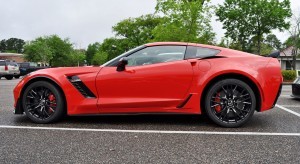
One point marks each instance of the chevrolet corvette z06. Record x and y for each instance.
(166, 77)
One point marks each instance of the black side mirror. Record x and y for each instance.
(122, 63)
(274, 54)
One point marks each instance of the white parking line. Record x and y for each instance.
(151, 131)
(291, 106)
(288, 110)
(285, 96)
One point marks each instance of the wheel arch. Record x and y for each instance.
(238, 76)
(41, 78)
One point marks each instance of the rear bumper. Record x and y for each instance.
(278, 94)
(10, 73)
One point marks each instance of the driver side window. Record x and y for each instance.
(156, 54)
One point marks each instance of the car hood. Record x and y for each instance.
(66, 71)
(59, 74)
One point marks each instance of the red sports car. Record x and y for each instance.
(180, 78)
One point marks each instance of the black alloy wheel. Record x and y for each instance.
(230, 103)
(43, 102)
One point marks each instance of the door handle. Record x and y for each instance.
(193, 62)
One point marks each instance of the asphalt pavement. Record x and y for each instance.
(269, 137)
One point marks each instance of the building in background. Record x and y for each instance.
(19, 58)
(286, 59)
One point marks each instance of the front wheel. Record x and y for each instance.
(43, 102)
(17, 77)
(230, 103)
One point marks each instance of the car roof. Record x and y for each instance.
(182, 44)
(166, 43)
(225, 51)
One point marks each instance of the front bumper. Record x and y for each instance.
(18, 108)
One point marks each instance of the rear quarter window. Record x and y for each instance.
(200, 52)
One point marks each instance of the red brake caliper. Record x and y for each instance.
(218, 100)
(51, 98)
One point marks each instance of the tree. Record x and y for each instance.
(272, 41)
(115, 46)
(137, 30)
(268, 45)
(3, 45)
(76, 58)
(99, 58)
(61, 49)
(291, 42)
(91, 51)
(49, 49)
(13, 45)
(244, 19)
(184, 20)
(38, 51)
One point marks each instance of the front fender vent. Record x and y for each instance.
(81, 87)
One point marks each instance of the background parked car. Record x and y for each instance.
(9, 69)
(28, 67)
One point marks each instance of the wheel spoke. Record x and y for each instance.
(51, 109)
(224, 89)
(215, 105)
(234, 88)
(33, 109)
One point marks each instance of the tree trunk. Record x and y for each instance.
(259, 45)
(294, 62)
(294, 58)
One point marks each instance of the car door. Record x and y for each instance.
(156, 78)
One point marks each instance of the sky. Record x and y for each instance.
(83, 21)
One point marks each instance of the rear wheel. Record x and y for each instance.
(43, 102)
(9, 77)
(230, 103)
(17, 77)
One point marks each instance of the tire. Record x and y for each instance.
(230, 103)
(43, 102)
(17, 77)
(9, 77)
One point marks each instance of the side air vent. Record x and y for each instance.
(81, 87)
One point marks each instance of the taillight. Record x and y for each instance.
(6, 68)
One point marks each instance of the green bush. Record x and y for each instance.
(289, 75)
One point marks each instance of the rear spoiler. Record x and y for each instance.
(274, 54)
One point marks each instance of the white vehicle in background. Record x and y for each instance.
(9, 69)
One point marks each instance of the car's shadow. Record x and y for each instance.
(166, 122)
(128, 119)
(141, 119)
